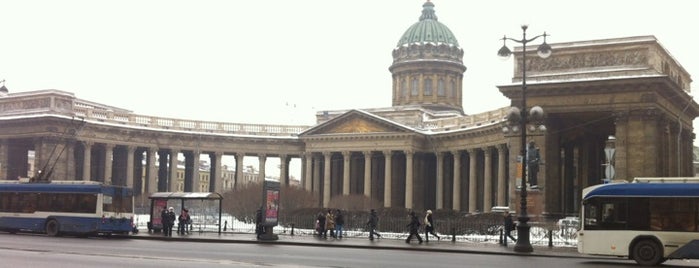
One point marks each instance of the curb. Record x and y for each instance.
(373, 246)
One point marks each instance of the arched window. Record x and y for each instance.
(428, 87)
(441, 90)
(452, 89)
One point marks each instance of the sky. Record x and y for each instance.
(281, 61)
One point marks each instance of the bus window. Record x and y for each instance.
(609, 215)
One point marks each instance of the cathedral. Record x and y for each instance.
(613, 109)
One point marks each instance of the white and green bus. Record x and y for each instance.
(648, 222)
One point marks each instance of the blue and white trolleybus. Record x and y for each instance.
(648, 222)
(80, 208)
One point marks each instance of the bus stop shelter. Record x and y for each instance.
(160, 200)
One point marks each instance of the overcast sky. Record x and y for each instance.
(280, 61)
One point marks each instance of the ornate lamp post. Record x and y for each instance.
(520, 116)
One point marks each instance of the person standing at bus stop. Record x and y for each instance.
(168, 220)
(182, 222)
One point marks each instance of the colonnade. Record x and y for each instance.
(412, 179)
(471, 179)
(146, 169)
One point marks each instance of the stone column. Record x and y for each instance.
(367, 174)
(283, 170)
(456, 191)
(172, 178)
(87, 158)
(238, 169)
(621, 122)
(130, 150)
(152, 173)
(308, 176)
(387, 179)
(216, 172)
(439, 194)
(4, 160)
(487, 181)
(70, 164)
(262, 165)
(409, 179)
(502, 186)
(196, 179)
(326, 179)
(317, 178)
(346, 172)
(108, 158)
(472, 182)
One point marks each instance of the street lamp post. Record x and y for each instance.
(520, 116)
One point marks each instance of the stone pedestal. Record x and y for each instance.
(535, 204)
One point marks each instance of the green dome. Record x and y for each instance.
(428, 29)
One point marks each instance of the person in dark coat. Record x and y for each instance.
(429, 226)
(372, 224)
(414, 227)
(339, 223)
(509, 226)
(163, 220)
(259, 228)
(320, 224)
(168, 219)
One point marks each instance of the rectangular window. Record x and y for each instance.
(414, 87)
(441, 91)
(428, 87)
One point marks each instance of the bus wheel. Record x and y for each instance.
(647, 253)
(52, 227)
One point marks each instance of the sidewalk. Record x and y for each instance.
(445, 245)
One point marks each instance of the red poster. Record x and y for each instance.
(272, 208)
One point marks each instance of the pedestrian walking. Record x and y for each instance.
(372, 224)
(339, 223)
(320, 224)
(509, 226)
(414, 228)
(429, 226)
(259, 228)
(329, 224)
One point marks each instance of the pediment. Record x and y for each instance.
(357, 122)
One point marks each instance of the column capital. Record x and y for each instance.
(471, 150)
(501, 147)
(387, 152)
(327, 154)
(346, 153)
(367, 153)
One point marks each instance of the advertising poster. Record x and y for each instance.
(271, 202)
(158, 206)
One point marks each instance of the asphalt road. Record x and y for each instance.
(23, 250)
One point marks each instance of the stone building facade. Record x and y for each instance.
(626, 94)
